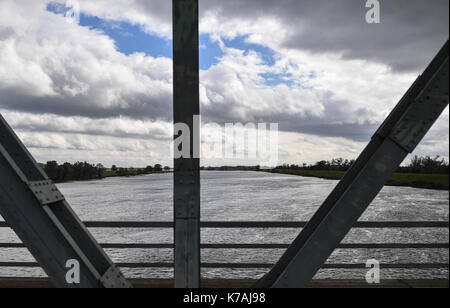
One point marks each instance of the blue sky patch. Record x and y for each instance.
(272, 79)
(267, 54)
(210, 52)
(131, 38)
(128, 38)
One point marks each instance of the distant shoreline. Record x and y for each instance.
(113, 175)
(424, 181)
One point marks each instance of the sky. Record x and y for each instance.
(101, 90)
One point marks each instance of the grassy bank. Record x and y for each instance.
(112, 174)
(427, 181)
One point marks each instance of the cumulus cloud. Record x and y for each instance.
(51, 66)
(326, 95)
(115, 127)
(125, 152)
(410, 30)
(319, 26)
(67, 88)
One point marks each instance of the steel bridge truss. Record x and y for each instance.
(36, 210)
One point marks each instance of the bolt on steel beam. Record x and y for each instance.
(398, 136)
(186, 169)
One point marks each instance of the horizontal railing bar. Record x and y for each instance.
(341, 246)
(259, 246)
(395, 246)
(251, 224)
(258, 224)
(252, 265)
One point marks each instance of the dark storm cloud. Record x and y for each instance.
(410, 32)
(138, 106)
(359, 132)
(334, 122)
(353, 131)
(155, 133)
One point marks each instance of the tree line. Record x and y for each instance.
(419, 165)
(427, 164)
(232, 168)
(82, 171)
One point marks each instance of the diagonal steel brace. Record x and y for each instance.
(398, 136)
(35, 209)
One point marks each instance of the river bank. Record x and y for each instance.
(112, 174)
(425, 181)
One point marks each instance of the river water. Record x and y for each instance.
(248, 196)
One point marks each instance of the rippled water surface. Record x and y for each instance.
(248, 196)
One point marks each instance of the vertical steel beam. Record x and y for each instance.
(186, 169)
(397, 137)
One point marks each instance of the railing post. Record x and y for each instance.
(186, 169)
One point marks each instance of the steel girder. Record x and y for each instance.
(35, 209)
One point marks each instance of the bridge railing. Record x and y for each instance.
(257, 225)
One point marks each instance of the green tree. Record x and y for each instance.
(51, 168)
(100, 169)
